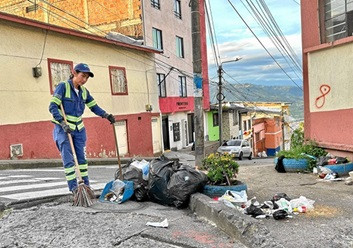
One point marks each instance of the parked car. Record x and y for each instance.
(237, 148)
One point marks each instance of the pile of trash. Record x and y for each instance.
(163, 181)
(279, 207)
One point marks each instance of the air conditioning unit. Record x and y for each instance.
(16, 150)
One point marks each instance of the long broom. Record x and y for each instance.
(84, 195)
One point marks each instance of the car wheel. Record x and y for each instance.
(241, 156)
(250, 157)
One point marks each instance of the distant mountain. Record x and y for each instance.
(261, 93)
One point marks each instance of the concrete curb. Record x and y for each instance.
(249, 231)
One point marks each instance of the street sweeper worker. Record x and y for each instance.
(74, 96)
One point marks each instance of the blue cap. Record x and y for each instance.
(81, 67)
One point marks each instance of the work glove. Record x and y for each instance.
(109, 117)
(66, 127)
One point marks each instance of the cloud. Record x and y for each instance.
(235, 40)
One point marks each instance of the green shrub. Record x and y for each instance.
(297, 138)
(309, 148)
(221, 168)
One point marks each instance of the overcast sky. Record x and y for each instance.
(235, 40)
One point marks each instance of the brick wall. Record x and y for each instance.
(93, 16)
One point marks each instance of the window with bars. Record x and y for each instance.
(180, 47)
(182, 86)
(118, 81)
(157, 38)
(337, 19)
(155, 4)
(161, 85)
(177, 8)
(59, 71)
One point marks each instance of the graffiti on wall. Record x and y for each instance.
(320, 100)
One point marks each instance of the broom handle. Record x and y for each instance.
(72, 147)
(117, 152)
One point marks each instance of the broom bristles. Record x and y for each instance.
(84, 196)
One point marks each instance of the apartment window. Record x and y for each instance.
(118, 81)
(182, 86)
(180, 47)
(59, 70)
(161, 85)
(249, 124)
(244, 125)
(215, 119)
(157, 38)
(337, 18)
(155, 4)
(235, 118)
(177, 9)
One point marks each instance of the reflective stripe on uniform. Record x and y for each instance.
(70, 173)
(67, 90)
(56, 100)
(83, 166)
(71, 117)
(80, 126)
(91, 103)
(84, 93)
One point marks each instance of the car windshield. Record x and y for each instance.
(232, 143)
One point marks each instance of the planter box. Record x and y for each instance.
(214, 190)
(294, 165)
(341, 169)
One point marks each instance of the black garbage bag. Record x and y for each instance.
(161, 169)
(131, 173)
(279, 165)
(253, 211)
(184, 182)
(341, 160)
(280, 214)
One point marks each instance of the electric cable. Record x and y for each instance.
(262, 44)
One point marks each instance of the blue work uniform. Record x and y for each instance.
(74, 106)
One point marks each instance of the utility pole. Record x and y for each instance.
(197, 69)
(220, 96)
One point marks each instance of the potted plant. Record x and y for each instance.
(222, 171)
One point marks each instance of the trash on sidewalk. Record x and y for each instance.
(144, 166)
(231, 198)
(279, 207)
(163, 224)
(117, 191)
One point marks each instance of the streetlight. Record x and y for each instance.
(220, 96)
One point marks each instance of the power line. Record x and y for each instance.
(264, 22)
(263, 45)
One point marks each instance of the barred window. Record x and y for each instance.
(155, 4)
(337, 17)
(118, 81)
(59, 71)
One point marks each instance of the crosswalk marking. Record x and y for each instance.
(46, 193)
(19, 181)
(32, 186)
(19, 176)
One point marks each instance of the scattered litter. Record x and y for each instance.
(279, 207)
(117, 191)
(163, 224)
(231, 198)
